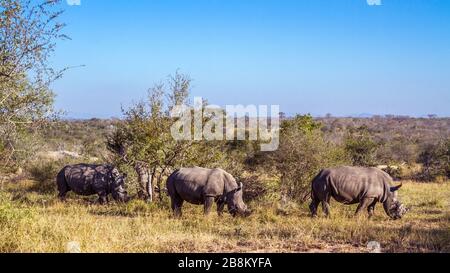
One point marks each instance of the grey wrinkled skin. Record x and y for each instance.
(86, 180)
(356, 185)
(200, 186)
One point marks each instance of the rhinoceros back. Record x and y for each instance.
(197, 175)
(85, 179)
(194, 184)
(350, 185)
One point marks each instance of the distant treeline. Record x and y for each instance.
(392, 140)
(408, 148)
(399, 139)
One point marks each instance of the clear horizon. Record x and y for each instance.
(345, 57)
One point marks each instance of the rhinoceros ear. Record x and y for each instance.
(394, 189)
(241, 186)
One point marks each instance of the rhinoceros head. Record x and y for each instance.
(118, 188)
(235, 202)
(393, 207)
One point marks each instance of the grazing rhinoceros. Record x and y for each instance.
(353, 185)
(85, 179)
(205, 186)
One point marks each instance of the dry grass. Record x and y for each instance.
(32, 220)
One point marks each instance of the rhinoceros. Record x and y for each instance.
(353, 185)
(200, 186)
(86, 180)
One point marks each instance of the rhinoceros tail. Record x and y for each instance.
(61, 182)
(170, 184)
(316, 178)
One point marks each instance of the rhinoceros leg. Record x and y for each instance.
(364, 204)
(314, 206)
(209, 201)
(62, 193)
(177, 204)
(371, 209)
(220, 207)
(103, 198)
(62, 196)
(63, 188)
(326, 207)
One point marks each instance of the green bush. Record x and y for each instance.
(254, 188)
(12, 219)
(303, 152)
(45, 172)
(436, 160)
(361, 147)
(11, 215)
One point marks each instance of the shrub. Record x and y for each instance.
(360, 147)
(144, 141)
(29, 31)
(12, 219)
(10, 215)
(45, 172)
(254, 188)
(436, 160)
(303, 152)
(395, 172)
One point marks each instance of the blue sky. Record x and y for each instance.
(309, 56)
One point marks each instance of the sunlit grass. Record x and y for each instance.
(37, 222)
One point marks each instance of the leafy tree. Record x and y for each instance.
(28, 31)
(144, 141)
(436, 160)
(397, 151)
(361, 147)
(302, 153)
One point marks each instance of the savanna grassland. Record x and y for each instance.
(32, 219)
(37, 141)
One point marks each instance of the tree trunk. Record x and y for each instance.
(145, 182)
(153, 177)
(159, 184)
